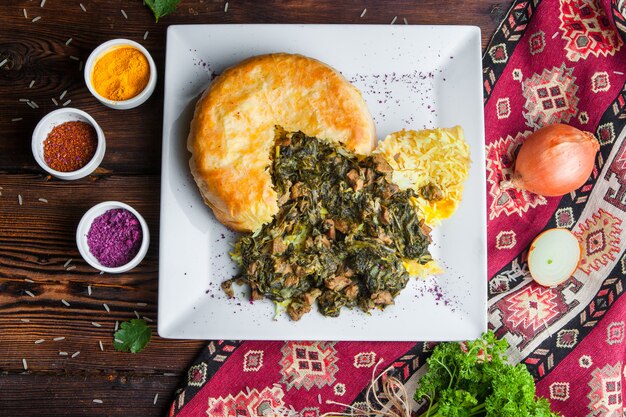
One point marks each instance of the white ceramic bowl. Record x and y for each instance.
(55, 118)
(85, 224)
(124, 104)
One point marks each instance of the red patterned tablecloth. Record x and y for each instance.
(550, 61)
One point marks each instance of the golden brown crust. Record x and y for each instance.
(232, 131)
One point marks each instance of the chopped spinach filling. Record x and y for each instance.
(341, 233)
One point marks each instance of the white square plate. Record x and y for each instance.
(411, 77)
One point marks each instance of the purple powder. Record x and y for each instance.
(114, 237)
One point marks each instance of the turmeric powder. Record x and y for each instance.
(121, 73)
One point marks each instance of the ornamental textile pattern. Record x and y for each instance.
(550, 61)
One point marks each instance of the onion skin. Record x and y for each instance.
(554, 160)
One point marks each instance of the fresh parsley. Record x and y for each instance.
(132, 336)
(474, 379)
(161, 7)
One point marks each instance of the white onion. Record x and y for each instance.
(553, 257)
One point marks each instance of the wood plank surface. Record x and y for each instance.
(74, 395)
(37, 238)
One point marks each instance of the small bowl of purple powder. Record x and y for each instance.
(112, 237)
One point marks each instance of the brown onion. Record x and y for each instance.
(554, 161)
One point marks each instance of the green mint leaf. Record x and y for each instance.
(132, 336)
(161, 7)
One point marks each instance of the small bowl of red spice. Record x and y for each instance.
(68, 143)
(112, 237)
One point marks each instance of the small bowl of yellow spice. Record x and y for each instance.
(121, 74)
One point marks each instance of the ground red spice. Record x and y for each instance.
(70, 146)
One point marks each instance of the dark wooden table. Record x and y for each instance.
(37, 237)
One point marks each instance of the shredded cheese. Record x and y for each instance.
(437, 157)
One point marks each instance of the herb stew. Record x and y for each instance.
(341, 234)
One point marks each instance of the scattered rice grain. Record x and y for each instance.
(29, 293)
(148, 319)
(101, 272)
(67, 262)
(555, 35)
(62, 353)
(96, 400)
(142, 304)
(117, 325)
(319, 398)
(25, 364)
(156, 397)
(19, 199)
(17, 119)
(405, 21)
(106, 307)
(62, 94)
(226, 7)
(71, 268)
(35, 105)
(82, 7)
(67, 102)
(394, 20)
(80, 66)
(124, 14)
(96, 324)
(23, 100)
(75, 354)
(618, 72)
(31, 84)
(169, 373)
(30, 281)
(39, 341)
(101, 346)
(56, 103)
(36, 19)
(31, 105)
(363, 12)
(75, 58)
(43, 2)
(145, 35)
(67, 42)
(65, 303)
(136, 314)
(89, 289)
(43, 200)
(118, 341)
(25, 13)
(25, 320)
(57, 339)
